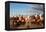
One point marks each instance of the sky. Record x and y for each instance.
(17, 9)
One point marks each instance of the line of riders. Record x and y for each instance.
(17, 21)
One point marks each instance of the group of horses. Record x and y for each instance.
(17, 21)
